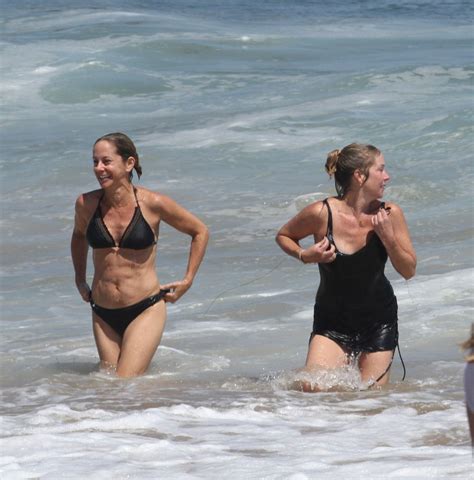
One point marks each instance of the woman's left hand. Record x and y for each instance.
(177, 290)
(383, 225)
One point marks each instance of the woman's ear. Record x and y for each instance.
(129, 164)
(360, 177)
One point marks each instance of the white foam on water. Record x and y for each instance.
(245, 439)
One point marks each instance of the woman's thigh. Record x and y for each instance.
(108, 342)
(140, 341)
(324, 352)
(375, 366)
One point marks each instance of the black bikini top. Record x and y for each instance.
(138, 235)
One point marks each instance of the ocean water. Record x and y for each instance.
(233, 106)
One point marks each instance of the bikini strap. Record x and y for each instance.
(136, 198)
(98, 209)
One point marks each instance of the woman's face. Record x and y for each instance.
(378, 178)
(108, 164)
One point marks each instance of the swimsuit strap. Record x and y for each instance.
(329, 229)
(136, 198)
(98, 203)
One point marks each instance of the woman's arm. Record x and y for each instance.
(393, 232)
(185, 222)
(307, 222)
(79, 249)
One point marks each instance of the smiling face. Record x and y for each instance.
(109, 167)
(377, 178)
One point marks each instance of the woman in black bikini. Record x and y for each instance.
(120, 222)
(356, 310)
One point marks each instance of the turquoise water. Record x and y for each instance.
(233, 107)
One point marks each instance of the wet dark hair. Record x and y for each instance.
(125, 148)
(343, 163)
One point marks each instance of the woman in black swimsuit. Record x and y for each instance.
(354, 233)
(120, 222)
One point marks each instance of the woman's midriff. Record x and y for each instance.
(123, 277)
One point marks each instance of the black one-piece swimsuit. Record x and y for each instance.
(355, 304)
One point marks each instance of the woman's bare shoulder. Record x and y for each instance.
(316, 209)
(396, 214)
(156, 202)
(151, 198)
(88, 199)
(86, 203)
(394, 208)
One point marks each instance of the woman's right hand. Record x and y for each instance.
(84, 291)
(176, 290)
(321, 252)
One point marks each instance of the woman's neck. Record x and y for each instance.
(359, 204)
(121, 196)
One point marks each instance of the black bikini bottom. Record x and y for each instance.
(379, 331)
(120, 318)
